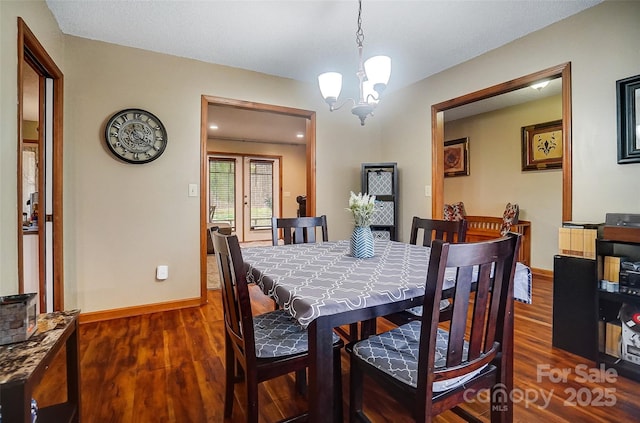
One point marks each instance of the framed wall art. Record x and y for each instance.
(456, 157)
(542, 146)
(628, 96)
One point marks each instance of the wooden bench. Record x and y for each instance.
(483, 228)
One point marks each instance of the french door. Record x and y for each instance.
(244, 191)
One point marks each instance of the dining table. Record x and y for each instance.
(323, 287)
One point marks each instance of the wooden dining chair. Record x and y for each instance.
(446, 230)
(262, 347)
(302, 230)
(298, 230)
(429, 369)
(451, 231)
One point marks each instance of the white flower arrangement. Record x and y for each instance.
(362, 206)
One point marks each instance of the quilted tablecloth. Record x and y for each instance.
(310, 280)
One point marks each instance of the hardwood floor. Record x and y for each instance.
(168, 367)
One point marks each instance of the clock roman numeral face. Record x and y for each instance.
(135, 136)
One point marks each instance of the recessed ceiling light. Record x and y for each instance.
(300, 135)
(540, 85)
(214, 126)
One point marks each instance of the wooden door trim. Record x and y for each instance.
(27, 42)
(207, 100)
(437, 132)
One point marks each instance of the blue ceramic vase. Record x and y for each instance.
(362, 242)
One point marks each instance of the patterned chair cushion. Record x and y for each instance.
(510, 217)
(417, 311)
(396, 354)
(454, 211)
(277, 334)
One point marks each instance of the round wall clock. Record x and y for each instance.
(135, 136)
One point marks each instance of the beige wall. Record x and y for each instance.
(130, 218)
(496, 178)
(292, 164)
(121, 220)
(601, 44)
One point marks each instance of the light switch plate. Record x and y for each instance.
(193, 190)
(427, 190)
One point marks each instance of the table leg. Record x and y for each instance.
(321, 389)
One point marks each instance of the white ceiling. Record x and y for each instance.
(300, 39)
(248, 125)
(523, 95)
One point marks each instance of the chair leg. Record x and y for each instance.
(231, 365)
(353, 332)
(355, 391)
(367, 328)
(239, 372)
(252, 400)
(501, 404)
(301, 382)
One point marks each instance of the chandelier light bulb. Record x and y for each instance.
(330, 85)
(373, 76)
(378, 69)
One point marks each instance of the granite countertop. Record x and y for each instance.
(18, 361)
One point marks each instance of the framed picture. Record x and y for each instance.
(542, 146)
(628, 95)
(456, 157)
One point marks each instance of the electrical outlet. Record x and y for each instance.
(162, 272)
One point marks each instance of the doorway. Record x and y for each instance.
(308, 141)
(39, 193)
(244, 193)
(437, 135)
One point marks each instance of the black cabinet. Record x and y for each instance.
(574, 305)
(618, 315)
(381, 180)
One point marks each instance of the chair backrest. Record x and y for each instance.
(490, 312)
(446, 230)
(236, 302)
(298, 230)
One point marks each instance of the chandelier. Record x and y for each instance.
(373, 76)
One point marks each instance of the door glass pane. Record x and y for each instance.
(261, 194)
(222, 190)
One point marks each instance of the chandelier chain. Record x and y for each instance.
(359, 32)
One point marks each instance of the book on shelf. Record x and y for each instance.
(579, 239)
(611, 270)
(589, 241)
(613, 337)
(582, 225)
